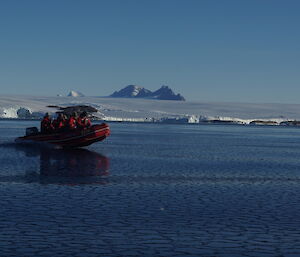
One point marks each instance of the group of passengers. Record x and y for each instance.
(64, 123)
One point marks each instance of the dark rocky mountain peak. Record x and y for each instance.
(166, 93)
(133, 91)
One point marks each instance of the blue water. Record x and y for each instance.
(153, 190)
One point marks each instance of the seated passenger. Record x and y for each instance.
(59, 123)
(72, 121)
(46, 124)
(83, 121)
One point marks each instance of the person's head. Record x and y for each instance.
(46, 115)
(83, 114)
(74, 114)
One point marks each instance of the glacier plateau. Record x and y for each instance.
(148, 110)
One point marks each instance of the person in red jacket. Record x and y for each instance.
(59, 123)
(72, 121)
(46, 124)
(83, 121)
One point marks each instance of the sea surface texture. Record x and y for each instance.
(153, 190)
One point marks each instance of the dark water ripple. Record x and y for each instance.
(154, 191)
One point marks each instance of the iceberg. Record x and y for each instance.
(8, 112)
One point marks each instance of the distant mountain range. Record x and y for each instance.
(133, 91)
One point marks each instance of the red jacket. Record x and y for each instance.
(83, 122)
(59, 123)
(46, 125)
(72, 123)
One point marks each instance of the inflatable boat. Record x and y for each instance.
(67, 139)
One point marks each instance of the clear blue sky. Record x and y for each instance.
(239, 51)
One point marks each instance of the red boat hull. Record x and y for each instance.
(75, 138)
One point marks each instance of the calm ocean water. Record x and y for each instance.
(153, 190)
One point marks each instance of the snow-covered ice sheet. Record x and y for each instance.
(139, 109)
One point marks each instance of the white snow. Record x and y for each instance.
(75, 94)
(136, 90)
(9, 112)
(150, 110)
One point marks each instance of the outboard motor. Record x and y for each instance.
(32, 131)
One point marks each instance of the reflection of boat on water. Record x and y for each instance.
(72, 163)
(63, 166)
